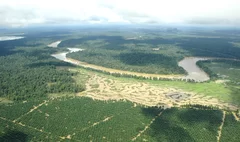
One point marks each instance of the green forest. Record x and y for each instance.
(31, 72)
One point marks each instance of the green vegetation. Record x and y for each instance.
(210, 47)
(70, 116)
(223, 69)
(230, 131)
(228, 72)
(38, 92)
(33, 73)
(83, 119)
(149, 52)
(18, 108)
(184, 125)
(118, 53)
(28, 70)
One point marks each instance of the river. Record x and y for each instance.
(194, 72)
(63, 56)
(4, 38)
(188, 64)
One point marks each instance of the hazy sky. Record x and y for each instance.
(14, 13)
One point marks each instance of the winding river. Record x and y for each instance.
(188, 63)
(63, 56)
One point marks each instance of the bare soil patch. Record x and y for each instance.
(102, 88)
(5, 101)
(236, 116)
(221, 126)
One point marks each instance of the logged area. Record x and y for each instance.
(140, 84)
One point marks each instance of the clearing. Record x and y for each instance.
(102, 87)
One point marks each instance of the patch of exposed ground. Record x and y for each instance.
(221, 126)
(5, 101)
(97, 123)
(236, 116)
(222, 82)
(102, 88)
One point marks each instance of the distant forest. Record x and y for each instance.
(159, 55)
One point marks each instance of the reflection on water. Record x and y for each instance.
(62, 56)
(55, 44)
(4, 38)
(194, 72)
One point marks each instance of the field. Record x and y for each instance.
(225, 69)
(227, 73)
(84, 119)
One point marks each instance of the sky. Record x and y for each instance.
(22, 13)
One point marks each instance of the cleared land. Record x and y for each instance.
(102, 87)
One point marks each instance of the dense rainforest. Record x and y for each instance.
(32, 72)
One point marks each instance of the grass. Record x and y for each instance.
(230, 71)
(227, 70)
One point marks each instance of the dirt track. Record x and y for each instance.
(221, 126)
(102, 88)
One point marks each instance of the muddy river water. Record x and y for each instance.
(194, 72)
(188, 63)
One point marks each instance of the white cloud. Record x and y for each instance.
(27, 12)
